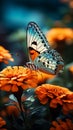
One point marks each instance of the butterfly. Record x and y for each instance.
(41, 55)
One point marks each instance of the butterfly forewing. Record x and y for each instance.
(35, 38)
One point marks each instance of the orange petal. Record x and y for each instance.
(67, 107)
(6, 88)
(14, 88)
(69, 123)
(55, 102)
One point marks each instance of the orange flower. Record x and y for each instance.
(58, 36)
(71, 69)
(2, 123)
(5, 55)
(62, 125)
(11, 78)
(55, 95)
(67, 107)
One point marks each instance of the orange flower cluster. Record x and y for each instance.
(5, 55)
(62, 125)
(55, 95)
(11, 78)
(59, 34)
(2, 123)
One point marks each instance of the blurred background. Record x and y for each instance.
(55, 18)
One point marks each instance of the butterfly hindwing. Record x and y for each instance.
(49, 61)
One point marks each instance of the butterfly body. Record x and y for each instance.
(40, 53)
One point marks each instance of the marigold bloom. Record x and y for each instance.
(2, 123)
(62, 125)
(71, 69)
(57, 36)
(5, 55)
(55, 95)
(11, 78)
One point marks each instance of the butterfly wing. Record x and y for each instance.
(49, 62)
(36, 41)
(40, 53)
